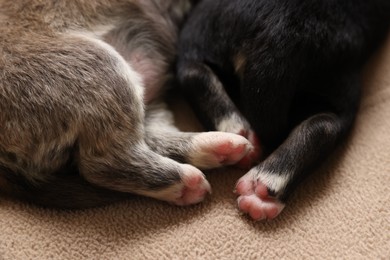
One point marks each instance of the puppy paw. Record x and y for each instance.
(235, 123)
(254, 155)
(255, 199)
(194, 188)
(191, 188)
(216, 149)
(259, 208)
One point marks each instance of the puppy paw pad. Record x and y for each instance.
(258, 208)
(256, 200)
(194, 189)
(230, 151)
(215, 149)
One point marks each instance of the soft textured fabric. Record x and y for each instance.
(341, 211)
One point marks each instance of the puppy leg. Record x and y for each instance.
(264, 189)
(88, 109)
(213, 106)
(112, 152)
(203, 150)
(265, 186)
(136, 169)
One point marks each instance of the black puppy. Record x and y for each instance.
(286, 71)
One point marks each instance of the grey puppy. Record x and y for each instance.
(80, 122)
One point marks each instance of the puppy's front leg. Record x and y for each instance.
(205, 150)
(264, 189)
(214, 107)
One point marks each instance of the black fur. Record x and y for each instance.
(290, 67)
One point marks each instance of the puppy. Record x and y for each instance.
(80, 120)
(284, 74)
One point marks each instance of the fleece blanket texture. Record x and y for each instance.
(342, 211)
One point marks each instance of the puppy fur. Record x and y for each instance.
(81, 122)
(285, 74)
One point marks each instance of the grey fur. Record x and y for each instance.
(75, 78)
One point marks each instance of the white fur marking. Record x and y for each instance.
(159, 117)
(274, 181)
(232, 123)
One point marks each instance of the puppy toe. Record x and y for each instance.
(216, 149)
(255, 198)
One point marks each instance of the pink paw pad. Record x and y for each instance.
(216, 149)
(195, 189)
(230, 152)
(254, 199)
(259, 208)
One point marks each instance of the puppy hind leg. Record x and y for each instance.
(203, 150)
(111, 151)
(213, 106)
(134, 168)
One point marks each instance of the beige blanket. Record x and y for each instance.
(342, 211)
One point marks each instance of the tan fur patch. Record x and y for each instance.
(239, 62)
